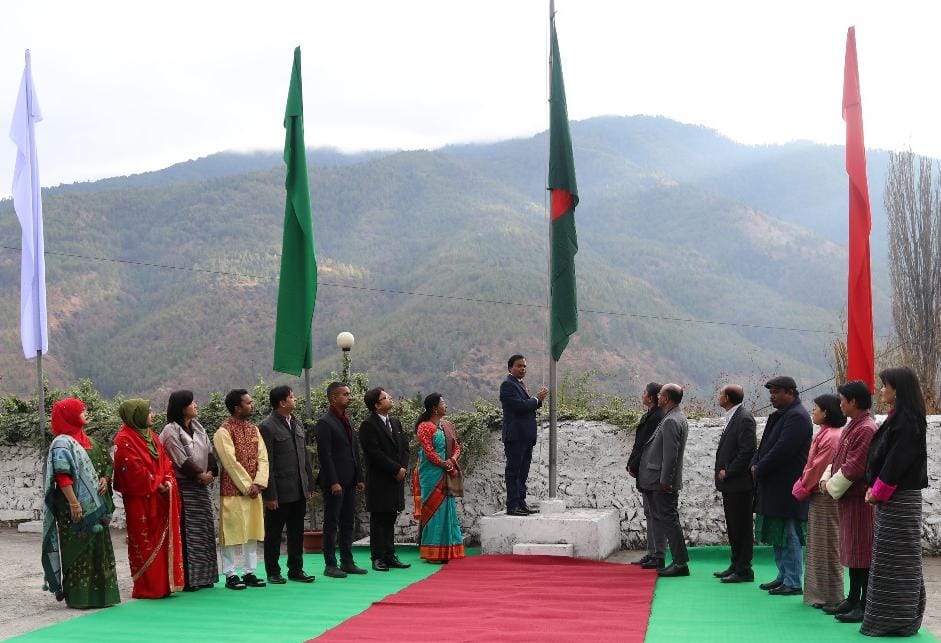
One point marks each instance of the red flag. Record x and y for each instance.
(859, 341)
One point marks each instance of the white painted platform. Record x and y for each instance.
(537, 549)
(30, 527)
(593, 533)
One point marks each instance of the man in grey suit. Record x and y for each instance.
(661, 473)
(290, 482)
(340, 477)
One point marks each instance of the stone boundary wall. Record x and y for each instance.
(592, 457)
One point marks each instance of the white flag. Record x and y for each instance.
(27, 202)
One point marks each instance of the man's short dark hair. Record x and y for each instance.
(653, 389)
(233, 398)
(674, 394)
(333, 386)
(371, 398)
(513, 359)
(857, 391)
(734, 394)
(277, 395)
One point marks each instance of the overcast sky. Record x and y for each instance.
(126, 86)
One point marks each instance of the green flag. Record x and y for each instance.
(297, 286)
(563, 320)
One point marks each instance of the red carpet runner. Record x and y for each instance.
(512, 598)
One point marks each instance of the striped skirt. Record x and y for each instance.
(823, 574)
(855, 532)
(199, 534)
(895, 599)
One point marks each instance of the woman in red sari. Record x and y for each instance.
(143, 474)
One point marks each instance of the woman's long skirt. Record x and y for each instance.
(199, 534)
(823, 574)
(895, 600)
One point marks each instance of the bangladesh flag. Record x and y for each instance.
(564, 197)
(297, 286)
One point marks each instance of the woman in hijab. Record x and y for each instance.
(440, 529)
(188, 446)
(143, 474)
(77, 555)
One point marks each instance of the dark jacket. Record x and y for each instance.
(519, 412)
(385, 453)
(645, 428)
(735, 451)
(898, 455)
(779, 461)
(338, 454)
(290, 476)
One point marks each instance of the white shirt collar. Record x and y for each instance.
(730, 413)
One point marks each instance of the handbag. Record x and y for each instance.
(454, 485)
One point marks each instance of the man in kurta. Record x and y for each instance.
(244, 475)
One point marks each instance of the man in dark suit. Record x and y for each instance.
(733, 479)
(661, 472)
(385, 448)
(778, 462)
(519, 433)
(649, 421)
(340, 477)
(290, 482)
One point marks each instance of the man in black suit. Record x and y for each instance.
(649, 421)
(733, 479)
(778, 462)
(519, 433)
(290, 482)
(386, 450)
(340, 477)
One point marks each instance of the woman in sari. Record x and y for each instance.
(188, 446)
(823, 580)
(143, 474)
(896, 473)
(77, 555)
(440, 537)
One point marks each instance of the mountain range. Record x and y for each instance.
(700, 260)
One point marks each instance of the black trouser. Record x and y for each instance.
(518, 457)
(382, 534)
(859, 579)
(338, 516)
(739, 525)
(290, 514)
(664, 513)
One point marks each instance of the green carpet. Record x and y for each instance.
(291, 612)
(699, 608)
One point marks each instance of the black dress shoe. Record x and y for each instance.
(191, 588)
(517, 511)
(234, 582)
(251, 580)
(771, 585)
(855, 615)
(738, 578)
(641, 561)
(277, 579)
(395, 563)
(724, 572)
(334, 572)
(839, 608)
(351, 568)
(380, 566)
(301, 577)
(653, 563)
(207, 586)
(784, 590)
(529, 509)
(673, 570)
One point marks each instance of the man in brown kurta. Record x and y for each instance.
(244, 475)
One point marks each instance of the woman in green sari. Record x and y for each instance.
(441, 538)
(77, 556)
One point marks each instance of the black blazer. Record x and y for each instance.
(385, 454)
(645, 428)
(338, 455)
(780, 460)
(735, 451)
(290, 476)
(898, 454)
(519, 412)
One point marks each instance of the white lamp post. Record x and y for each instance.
(345, 341)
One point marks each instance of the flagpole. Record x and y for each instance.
(553, 404)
